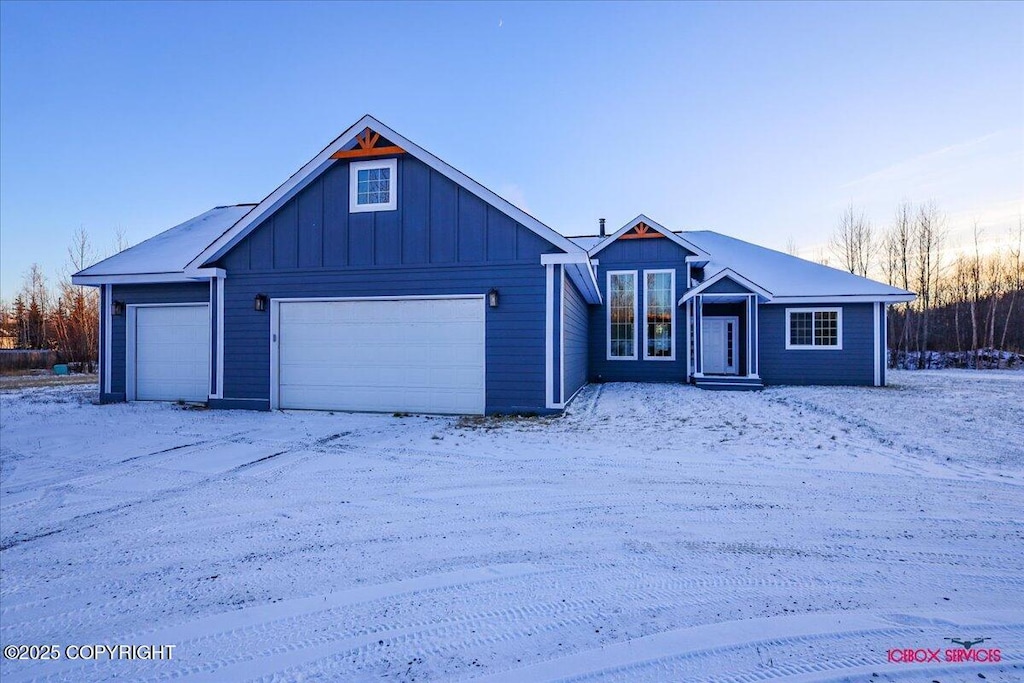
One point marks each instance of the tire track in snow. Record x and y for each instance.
(715, 640)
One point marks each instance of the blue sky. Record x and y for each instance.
(758, 120)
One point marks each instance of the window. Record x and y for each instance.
(372, 185)
(659, 307)
(814, 328)
(622, 314)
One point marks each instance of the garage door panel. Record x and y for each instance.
(419, 355)
(172, 353)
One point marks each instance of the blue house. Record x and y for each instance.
(380, 278)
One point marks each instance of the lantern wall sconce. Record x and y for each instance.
(260, 302)
(492, 298)
(118, 308)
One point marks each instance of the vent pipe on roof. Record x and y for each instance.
(600, 222)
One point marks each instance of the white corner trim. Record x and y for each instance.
(549, 331)
(220, 338)
(561, 339)
(353, 185)
(877, 330)
(672, 313)
(608, 314)
(274, 336)
(108, 345)
(811, 347)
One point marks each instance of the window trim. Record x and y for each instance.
(353, 185)
(672, 312)
(838, 346)
(608, 315)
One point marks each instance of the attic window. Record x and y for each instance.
(373, 185)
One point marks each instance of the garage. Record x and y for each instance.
(423, 355)
(169, 352)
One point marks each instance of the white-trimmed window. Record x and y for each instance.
(622, 315)
(814, 328)
(659, 314)
(373, 185)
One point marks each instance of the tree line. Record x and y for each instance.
(969, 310)
(61, 317)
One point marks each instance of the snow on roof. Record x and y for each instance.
(586, 242)
(782, 274)
(173, 249)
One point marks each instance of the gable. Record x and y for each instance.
(364, 134)
(435, 222)
(727, 285)
(643, 250)
(643, 228)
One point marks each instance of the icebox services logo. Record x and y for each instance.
(963, 654)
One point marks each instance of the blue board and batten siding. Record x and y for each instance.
(575, 339)
(639, 255)
(440, 240)
(171, 293)
(854, 364)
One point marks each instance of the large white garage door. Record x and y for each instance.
(410, 355)
(172, 353)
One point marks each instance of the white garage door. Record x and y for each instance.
(411, 355)
(172, 353)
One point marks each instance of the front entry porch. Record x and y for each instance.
(723, 340)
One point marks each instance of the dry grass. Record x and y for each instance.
(42, 378)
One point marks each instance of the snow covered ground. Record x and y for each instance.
(654, 533)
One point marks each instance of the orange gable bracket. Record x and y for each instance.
(640, 232)
(366, 140)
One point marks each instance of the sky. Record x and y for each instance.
(761, 121)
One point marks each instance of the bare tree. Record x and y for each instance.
(76, 321)
(852, 243)
(1015, 278)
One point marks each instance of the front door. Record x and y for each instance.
(719, 338)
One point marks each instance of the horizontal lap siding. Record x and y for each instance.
(854, 364)
(515, 330)
(577, 323)
(639, 255)
(172, 293)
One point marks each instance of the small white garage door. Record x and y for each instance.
(409, 355)
(172, 353)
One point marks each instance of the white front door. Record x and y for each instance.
(170, 358)
(423, 355)
(719, 341)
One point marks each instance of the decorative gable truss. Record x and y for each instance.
(368, 145)
(643, 227)
(641, 231)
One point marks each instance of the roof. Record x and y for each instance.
(784, 275)
(168, 253)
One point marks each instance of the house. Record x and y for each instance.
(380, 278)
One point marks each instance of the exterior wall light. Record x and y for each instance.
(260, 302)
(492, 298)
(118, 308)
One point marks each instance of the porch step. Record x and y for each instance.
(729, 383)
